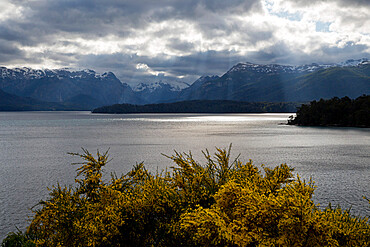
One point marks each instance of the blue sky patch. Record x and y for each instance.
(322, 27)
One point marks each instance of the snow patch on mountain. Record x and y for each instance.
(352, 62)
(172, 85)
(276, 68)
(28, 73)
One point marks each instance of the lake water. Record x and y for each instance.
(34, 146)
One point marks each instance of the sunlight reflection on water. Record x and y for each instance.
(213, 118)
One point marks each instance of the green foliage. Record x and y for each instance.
(335, 112)
(18, 239)
(223, 202)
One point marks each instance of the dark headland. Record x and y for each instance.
(341, 112)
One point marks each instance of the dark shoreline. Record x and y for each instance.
(202, 106)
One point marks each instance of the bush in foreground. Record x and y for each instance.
(220, 203)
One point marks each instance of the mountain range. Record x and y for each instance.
(249, 82)
(84, 88)
(279, 83)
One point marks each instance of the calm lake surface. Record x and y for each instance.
(34, 146)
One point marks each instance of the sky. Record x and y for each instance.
(149, 40)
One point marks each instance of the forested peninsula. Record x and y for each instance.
(344, 112)
(201, 106)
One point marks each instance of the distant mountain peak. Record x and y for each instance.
(260, 68)
(173, 85)
(354, 62)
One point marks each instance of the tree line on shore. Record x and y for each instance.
(343, 112)
(201, 106)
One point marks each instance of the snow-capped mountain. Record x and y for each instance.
(152, 86)
(84, 87)
(353, 62)
(160, 91)
(281, 83)
(28, 73)
(277, 68)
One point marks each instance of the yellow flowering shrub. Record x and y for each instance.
(223, 202)
(271, 210)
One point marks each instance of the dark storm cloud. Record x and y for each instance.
(10, 34)
(200, 63)
(270, 54)
(95, 18)
(281, 53)
(102, 17)
(355, 2)
(9, 52)
(180, 45)
(26, 33)
(350, 50)
(17, 32)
